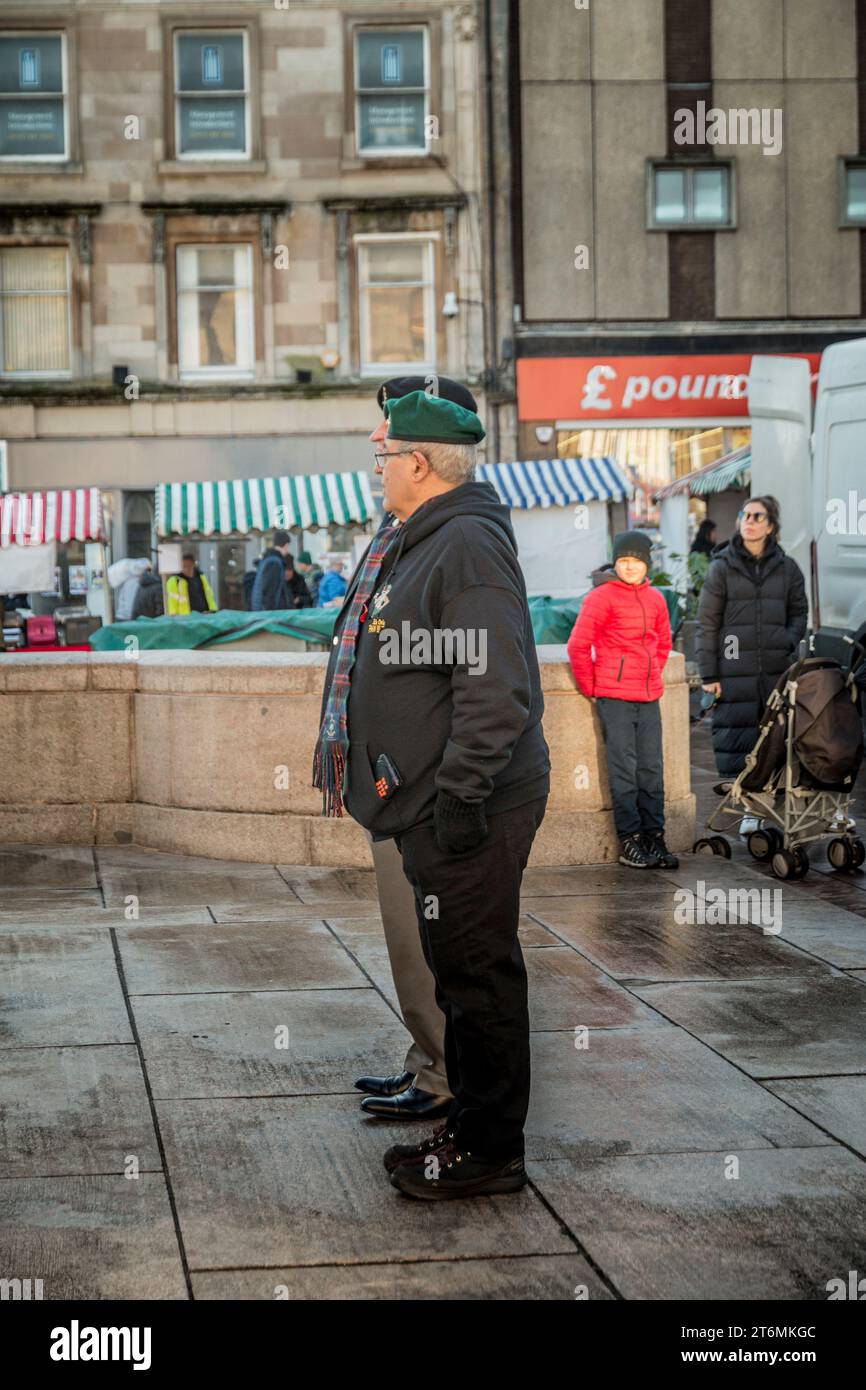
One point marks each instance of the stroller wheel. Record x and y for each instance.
(720, 846)
(841, 854)
(784, 864)
(761, 845)
(702, 847)
(802, 864)
(859, 852)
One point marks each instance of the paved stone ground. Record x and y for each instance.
(156, 1143)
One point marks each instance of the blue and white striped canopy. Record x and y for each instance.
(556, 482)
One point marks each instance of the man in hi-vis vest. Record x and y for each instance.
(189, 591)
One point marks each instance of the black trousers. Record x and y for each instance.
(468, 908)
(633, 742)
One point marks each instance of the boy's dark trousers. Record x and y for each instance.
(633, 741)
(468, 908)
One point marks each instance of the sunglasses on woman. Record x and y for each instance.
(751, 516)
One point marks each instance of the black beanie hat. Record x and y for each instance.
(632, 543)
(448, 390)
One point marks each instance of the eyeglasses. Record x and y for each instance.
(752, 516)
(381, 458)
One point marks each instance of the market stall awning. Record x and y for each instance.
(307, 500)
(734, 470)
(557, 482)
(36, 518)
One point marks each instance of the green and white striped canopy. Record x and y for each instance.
(308, 500)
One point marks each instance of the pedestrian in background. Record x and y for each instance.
(705, 540)
(270, 592)
(618, 649)
(299, 594)
(189, 591)
(751, 617)
(333, 586)
(312, 575)
(148, 601)
(126, 590)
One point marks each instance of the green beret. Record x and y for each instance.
(420, 419)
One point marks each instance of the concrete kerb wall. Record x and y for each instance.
(210, 754)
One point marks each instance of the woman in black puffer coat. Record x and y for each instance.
(751, 617)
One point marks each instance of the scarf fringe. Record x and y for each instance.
(329, 765)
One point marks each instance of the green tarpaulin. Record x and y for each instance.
(314, 625)
(552, 621)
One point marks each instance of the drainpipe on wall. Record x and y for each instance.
(492, 315)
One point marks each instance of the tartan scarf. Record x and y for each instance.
(332, 745)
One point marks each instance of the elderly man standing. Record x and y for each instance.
(421, 1090)
(432, 734)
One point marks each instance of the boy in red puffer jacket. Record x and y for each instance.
(618, 650)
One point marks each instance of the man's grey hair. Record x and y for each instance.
(453, 463)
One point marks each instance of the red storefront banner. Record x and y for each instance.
(637, 388)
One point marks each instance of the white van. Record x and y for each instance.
(819, 477)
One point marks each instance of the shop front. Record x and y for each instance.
(659, 418)
(223, 524)
(53, 588)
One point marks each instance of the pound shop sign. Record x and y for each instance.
(636, 388)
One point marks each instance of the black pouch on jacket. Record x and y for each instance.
(388, 778)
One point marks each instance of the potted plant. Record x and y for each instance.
(697, 564)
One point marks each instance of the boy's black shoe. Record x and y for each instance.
(416, 1153)
(654, 844)
(453, 1172)
(633, 854)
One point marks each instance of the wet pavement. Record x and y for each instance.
(179, 1040)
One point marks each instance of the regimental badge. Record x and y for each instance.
(377, 624)
(381, 598)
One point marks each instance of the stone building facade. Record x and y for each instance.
(635, 233)
(221, 224)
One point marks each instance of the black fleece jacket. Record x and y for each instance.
(464, 720)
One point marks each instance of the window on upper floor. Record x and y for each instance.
(854, 193)
(392, 90)
(34, 115)
(34, 311)
(211, 94)
(397, 303)
(215, 318)
(690, 195)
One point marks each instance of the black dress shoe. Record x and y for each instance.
(409, 1105)
(385, 1085)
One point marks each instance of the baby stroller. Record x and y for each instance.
(799, 777)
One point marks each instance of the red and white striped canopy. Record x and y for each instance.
(34, 518)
